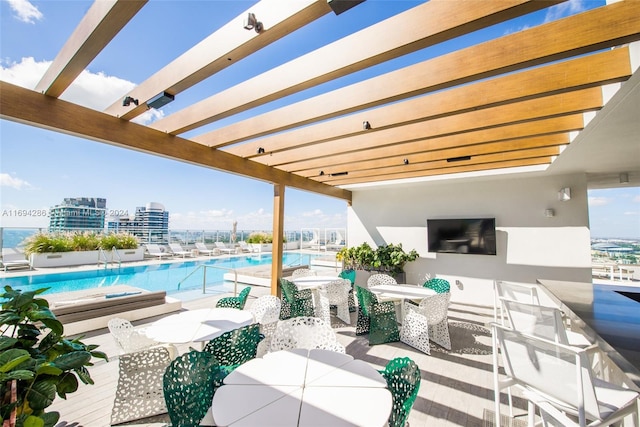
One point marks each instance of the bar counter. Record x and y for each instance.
(606, 316)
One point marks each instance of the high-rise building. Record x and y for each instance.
(78, 213)
(150, 223)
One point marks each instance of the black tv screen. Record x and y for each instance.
(462, 236)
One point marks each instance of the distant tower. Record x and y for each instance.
(150, 223)
(78, 213)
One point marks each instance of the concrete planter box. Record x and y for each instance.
(261, 247)
(64, 259)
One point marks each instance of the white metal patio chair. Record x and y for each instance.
(305, 332)
(380, 279)
(338, 294)
(128, 338)
(266, 312)
(303, 272)
(427, 321)
(558, 379)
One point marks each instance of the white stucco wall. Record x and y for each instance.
(530, 246)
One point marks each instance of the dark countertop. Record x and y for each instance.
(606, 316)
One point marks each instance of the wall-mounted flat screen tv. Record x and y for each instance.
(462, 236)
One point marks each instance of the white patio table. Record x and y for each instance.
(317, 284)
(303, 388)
(402, 292)
(198, 325)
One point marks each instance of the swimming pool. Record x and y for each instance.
(170, 277)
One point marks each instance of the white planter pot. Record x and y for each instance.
(264, 247)
(64, 259)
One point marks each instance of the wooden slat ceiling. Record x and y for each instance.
(508, 102)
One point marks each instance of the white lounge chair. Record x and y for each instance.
(156, 251)
(245, 247)
(178, 250)
(202, 248)
(12, 258)
(224, 249)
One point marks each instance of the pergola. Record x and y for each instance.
(513, 101)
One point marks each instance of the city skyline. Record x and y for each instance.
(39, 168)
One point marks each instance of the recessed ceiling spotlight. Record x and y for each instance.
(260, 150)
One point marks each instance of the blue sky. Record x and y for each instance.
(39, 168)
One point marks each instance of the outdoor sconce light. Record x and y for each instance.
(251, 23)
(458, 159)
(160, 100)
(405, 161)
(564, 194)
(366, 125)
(128, 100)
(549, 213)
(260, 150)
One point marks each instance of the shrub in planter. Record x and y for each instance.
(261, 237)
(82, 241)
(119, 241)
(36, 361)
(389, 259)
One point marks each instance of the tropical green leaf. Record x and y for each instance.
(20, 374)
(9, 318)
(84, 375)
(54, 324)
(72, 360)
(68, 383)
(11, 358)
(41, 395)
(50, 418)
(7, 342)
(33, 421)
(48, 369)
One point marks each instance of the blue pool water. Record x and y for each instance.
(170, 277)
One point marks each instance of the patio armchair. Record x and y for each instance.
(296, 302)
(403, 381)
(558, 379)
(378, 319)
(338, 294)
(266, 312)
(128, 338)
(188, 385)
(350, 274)
(235, 347)
(235, 302)
(380, 279)
(515, 292)
(303, 272)
(427, 321)
(139, 392)
(305, 332)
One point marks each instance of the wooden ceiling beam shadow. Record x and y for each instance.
(611, 66)
(444, 164)
(223, 48)
(396, 159)
(540, 128)
(98, 27)
(541, 161)
(425, 25)
(535, 109)
(608, 26)
(29, 107)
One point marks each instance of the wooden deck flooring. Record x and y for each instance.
(456, 388)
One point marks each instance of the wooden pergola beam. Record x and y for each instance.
(589, 71)
(29, 107)
(98, 27)
(534, 109)
(608, 26)
(223, 48)
(422, 26)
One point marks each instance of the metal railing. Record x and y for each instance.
(204, 267)
(104, 259)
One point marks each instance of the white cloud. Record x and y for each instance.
(564, 9)
(7, 180)
(599, 201)
(92, 90)
(25, 11)
(632, 213)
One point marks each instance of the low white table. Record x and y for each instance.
(303, 388)
(317, 285)
(198, 325)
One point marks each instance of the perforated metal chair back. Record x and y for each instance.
(189, 384)
(380, 279)
(305, 332)
(127, 337)
(139, 390)
(237, 301)
(303, 272)
(439, 285)
(380, 317)
(299, 301)
(403, 380)
(235, 347)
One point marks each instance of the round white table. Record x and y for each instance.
(303, 388)
(317, 285)
(400, 292)
(198, 325)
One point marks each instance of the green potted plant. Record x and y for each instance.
(36, 361)
(391, 259)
